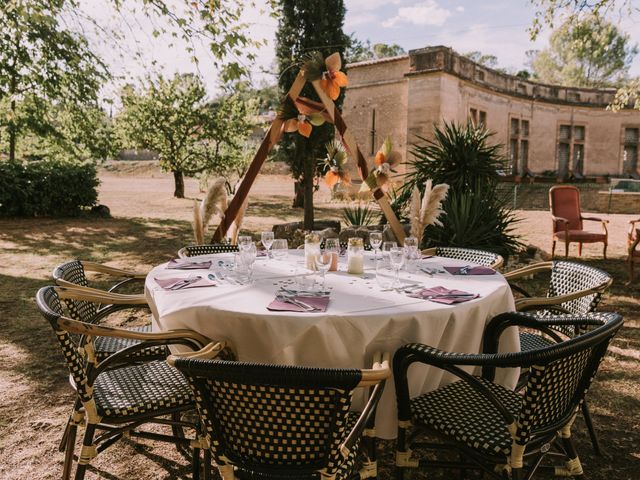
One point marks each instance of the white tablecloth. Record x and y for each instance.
(359, 321)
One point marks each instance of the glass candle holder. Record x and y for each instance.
(355, 256)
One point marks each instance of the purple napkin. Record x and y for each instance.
(320, 303)
(185, 264)
(444, 295)
(479, 270)
(184, 283)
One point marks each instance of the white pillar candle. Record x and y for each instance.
(355, 264)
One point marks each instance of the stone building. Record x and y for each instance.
(546, 129)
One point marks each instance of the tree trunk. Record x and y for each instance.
(179, 182)
(308, 193)
(298, 198)
(12, 127)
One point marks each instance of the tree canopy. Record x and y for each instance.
(359, 51)
(590, 53)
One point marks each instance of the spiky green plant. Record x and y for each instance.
(360, 215)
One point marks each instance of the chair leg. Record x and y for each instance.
(196, 464)
(517, 474)
(87, 453)
(75, 417)
(553, 249)
(580, 249)
(566, 249)
(70, 436)
(207, 464)
(573, 467)
(604, 251)
(592, 432)
(630, 269)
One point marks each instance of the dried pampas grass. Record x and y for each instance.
(215, 203)
(426, 210)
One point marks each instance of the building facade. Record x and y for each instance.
(545, 129)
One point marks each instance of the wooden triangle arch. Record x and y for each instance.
(273, 137)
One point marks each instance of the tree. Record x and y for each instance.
(41, 64)
(189, 133)
(589, 53)
(487, 60)
(359, 51)
(305, 26)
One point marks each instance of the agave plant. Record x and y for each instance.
(360, 215)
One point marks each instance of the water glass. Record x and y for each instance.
(279, 248)
(386, 248)
(332, 245)
(244, 242)
(267, 240)
(385, 275)
(396, 257)
(323, 263)
(411, 243)
(245, 260)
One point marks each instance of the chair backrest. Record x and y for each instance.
(73, 273)
(278, 421)
(560, 376)
(571, 277)
(209, 249)
(564, 201)
(479, 257)
(51, 309)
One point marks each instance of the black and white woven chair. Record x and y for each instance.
(479, 257)
(495, 429)
(73, 274)
(117, 401)
(208, 249)
(574, 288)
(285, 422)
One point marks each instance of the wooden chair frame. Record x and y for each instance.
(496, 264)
(632, 244)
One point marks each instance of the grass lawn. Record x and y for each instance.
(148, 228)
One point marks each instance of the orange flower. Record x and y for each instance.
(333, 79)
(299, 124)
(335, 162)
(312, 114)
(334, 177)
(385, 160)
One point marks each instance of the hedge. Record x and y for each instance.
(46, 188)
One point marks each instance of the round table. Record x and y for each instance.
(360, 319)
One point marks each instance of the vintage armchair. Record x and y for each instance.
(115, 402)
(633, 238)
(207, 249)
(564, 202)
(479, 257)
(493, 428)
(281, 422)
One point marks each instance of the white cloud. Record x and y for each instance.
(368, 5)
(426, 13)
(460, 8)
(353, 20)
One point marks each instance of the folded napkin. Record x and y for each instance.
(186, 264)
(444, 295)
(183, 283)
(479, 270)
(319, 303)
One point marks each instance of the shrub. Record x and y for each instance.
(475, 217)
(359, 215)
(47, 187)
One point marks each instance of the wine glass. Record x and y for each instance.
(323, 263)
(279, 248)
(411, 243)
(396, 257)
(385, 276)
(267, 240)
(244, 242)
(411, 253)
(375, 240)
(386, 248)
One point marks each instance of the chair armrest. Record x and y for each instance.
(533, 303)
(528, 270)
(116, 272)
(429, 251)
(209, 352)
(378, 372)
(595, 219)
(559, 219)
(88, 294)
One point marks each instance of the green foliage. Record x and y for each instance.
(42, 63)
(360, 215)
(359, 50)
(487, 60)
(475, 216)
(305, 26)
(47, 187)
(190, 134)
(475, 219)
(591, 52)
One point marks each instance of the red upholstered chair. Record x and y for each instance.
(633, 239)
(564, 201)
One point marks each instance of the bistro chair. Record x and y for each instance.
(72, 274)
(633, 238)
(479, 257)
(493, 428)
(115, 402)
(281, 422)
(208, 249)
(574, 288)
(564, 202)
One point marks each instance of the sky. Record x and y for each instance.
(493, 27)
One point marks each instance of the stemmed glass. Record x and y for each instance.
(323, 263)
(267, 240)
(386, 248)
(279, 248)
(411, 253)
(244, 242)
(396, 257)
(375, 240)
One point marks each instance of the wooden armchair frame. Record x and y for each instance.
(633, 238)
(127, 275)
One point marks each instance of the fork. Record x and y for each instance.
(290, 299)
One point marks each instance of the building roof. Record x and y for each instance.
(375, 61)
